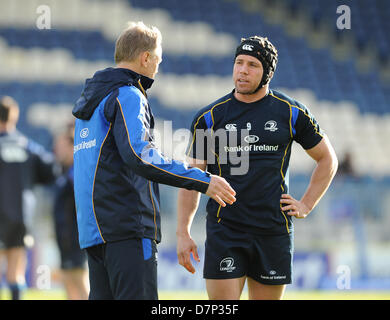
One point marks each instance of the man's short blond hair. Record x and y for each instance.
(136, 38)
(9, 110)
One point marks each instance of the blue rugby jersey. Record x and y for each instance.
(249, 144)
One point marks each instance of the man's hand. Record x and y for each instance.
(185, 247)
(294, 207)
(221, 191)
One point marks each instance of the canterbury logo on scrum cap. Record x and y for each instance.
(247, 47)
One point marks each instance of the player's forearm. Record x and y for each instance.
(320, 180)
(188, 201)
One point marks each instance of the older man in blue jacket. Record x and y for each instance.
(117, 168)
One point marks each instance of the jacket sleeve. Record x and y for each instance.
(133, 138)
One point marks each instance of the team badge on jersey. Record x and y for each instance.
(271, 125)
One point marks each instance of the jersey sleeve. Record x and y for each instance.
(305, 127)
(133, 138)
(197, 148)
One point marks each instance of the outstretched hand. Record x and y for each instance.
(221, 191)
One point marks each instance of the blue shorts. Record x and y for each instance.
(123, 270)
(231, 253)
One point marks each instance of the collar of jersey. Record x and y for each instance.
(251, 103)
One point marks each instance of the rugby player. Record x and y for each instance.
(252, 240)
(23, 164)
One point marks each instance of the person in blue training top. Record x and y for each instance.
(23, 164)
(251, 131)
(117, 167)
(74, 273)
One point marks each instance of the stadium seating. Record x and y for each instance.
(369, 20)
(40, 67)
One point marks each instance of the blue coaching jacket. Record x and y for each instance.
(116, 164)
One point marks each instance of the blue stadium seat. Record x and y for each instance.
(299, 65)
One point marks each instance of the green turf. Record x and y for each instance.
(33, 294)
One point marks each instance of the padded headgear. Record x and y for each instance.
(262, 49)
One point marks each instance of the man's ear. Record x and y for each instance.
(144, 59)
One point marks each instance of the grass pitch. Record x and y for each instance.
(58, 294)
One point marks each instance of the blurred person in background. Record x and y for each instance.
(117, 167)
(346, 167)
(252, 240)
(74, 272)
(23, 163)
